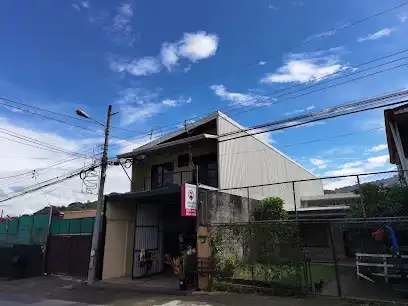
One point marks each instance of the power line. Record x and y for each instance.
(310, 121)
(306, 142)
(38, 142)
(328, 87)
(59, 114)
(317, 90)
(49, 182)
(334, 31)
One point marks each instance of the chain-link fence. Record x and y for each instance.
(342, 236)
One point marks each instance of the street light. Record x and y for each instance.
(81, 113)
(99, 205)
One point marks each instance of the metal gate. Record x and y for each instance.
(148, 237)
(68, 254)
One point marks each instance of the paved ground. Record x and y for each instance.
(50, 290)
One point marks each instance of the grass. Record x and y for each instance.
(284, 274)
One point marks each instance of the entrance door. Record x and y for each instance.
(68, 254)
(148, 237)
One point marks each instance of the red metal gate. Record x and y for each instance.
(68, 254)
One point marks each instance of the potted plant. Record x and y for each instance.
(177, 266)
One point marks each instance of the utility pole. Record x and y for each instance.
(99, 206)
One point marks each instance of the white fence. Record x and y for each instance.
(366, 260)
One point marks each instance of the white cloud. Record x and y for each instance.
(273, 7)
(320, 35)
(121, 30)
(377, 35)
(351, 164)
(298, 111)
(138, 105)
(377, 162)
(265, 137)
(402, 17)
(175, 103)
(19, 158)
(169, 55)
(198, 46)
(320, 163)
(237, 98)
(340, 151)
(296, 124)
(138, 67)
(307, 67)
(344, 171)
(262, 63)
(192, 47)
(76, 6)
(378, 148)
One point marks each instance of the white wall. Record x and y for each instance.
(247, 161)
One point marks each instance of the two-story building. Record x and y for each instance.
(148, 218)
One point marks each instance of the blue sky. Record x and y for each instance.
(161, 62)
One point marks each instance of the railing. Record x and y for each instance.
(173, 178)
(176, 178)
(382, 261)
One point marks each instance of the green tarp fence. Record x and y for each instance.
(31, 230)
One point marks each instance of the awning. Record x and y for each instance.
(169, 194)
(398, 115)
(167, 145)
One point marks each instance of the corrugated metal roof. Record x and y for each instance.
(144, 150)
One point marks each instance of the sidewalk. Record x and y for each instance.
(75, 290)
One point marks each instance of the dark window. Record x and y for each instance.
(183, 160)
(207, 169)
(314, 235)
(162, 175)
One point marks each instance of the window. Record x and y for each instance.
(162, 175)
(183, 160)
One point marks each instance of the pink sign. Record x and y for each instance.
(188, 200)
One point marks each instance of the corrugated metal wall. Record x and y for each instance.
(247, 161)
(148, 236)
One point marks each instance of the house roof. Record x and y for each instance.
(397, 114)
(166, 145)
(213, 116)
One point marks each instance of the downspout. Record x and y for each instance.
(400, 150)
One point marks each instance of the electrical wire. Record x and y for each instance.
(49, 182)
(308, 93)
(314, 120)
(306, 142)
(46, 146)
(334, 31)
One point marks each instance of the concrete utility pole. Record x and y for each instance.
(99, 206)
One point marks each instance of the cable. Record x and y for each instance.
(59, 114)
(317, 90)
(306, 142)
(35, 141)
(319, 119)
(34, 188)
(28, 174)
(335, 85)
(334, 31)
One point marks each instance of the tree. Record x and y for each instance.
(380, 201)
(272, 234)
(270, 209)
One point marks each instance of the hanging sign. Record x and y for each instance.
(188, 200)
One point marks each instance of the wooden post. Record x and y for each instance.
(204, 254)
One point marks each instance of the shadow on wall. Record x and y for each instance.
(20, 261)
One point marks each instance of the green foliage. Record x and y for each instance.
(380, 201)
(270, 209)
(71, 207)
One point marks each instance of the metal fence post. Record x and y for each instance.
(294, 199)
(361, 197)
(335, 260)
(250, 240)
